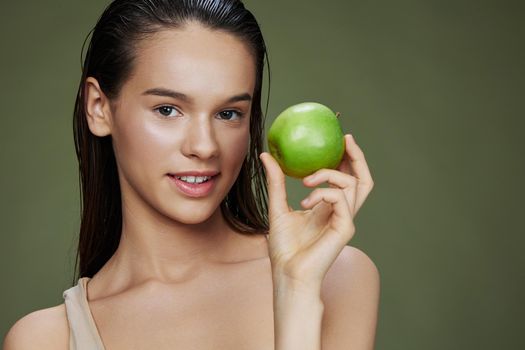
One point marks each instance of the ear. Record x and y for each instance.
(98, 111)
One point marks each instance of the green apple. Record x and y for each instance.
(306, 137)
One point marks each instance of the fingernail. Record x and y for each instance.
(305, 201)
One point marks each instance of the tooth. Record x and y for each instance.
(194, 179)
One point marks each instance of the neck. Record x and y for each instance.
(154, 247)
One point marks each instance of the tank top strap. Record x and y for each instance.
(83, 332)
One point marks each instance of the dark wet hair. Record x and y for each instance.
(110, 58)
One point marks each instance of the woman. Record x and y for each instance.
(176, 249)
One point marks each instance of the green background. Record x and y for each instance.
(433, 92)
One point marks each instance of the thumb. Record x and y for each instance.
(276, 185)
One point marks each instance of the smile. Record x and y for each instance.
(194, 186)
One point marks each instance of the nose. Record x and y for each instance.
(200, 139)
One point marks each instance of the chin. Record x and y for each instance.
(192, 220)
(194, 214)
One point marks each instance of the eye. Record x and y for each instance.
(228, 114)
(166, 111)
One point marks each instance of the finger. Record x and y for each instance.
(354, 163)
(358, 165)
(336, 179)
(333, 177)
(341, 216)
(276, 186)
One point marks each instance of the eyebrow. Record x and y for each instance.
(180, 96)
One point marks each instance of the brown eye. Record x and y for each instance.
(228, 114)
(165, 110)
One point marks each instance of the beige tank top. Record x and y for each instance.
(83, 332)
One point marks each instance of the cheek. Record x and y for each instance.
(140, 146)
(234, 149)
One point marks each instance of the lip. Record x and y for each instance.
(193, 190)
(195, 173)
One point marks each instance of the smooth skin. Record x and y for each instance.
(181, 278)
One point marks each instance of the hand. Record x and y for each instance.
(304, 244)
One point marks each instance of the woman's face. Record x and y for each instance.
(185, 108)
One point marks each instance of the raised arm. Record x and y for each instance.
(303, 245)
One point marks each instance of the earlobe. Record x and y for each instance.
(98, 111)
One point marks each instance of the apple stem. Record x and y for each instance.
(337, 115)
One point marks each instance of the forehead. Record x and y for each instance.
(194, 60)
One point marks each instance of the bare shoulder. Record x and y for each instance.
(43, 329)
(350, 295)
(357, 259)
(352, 271)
